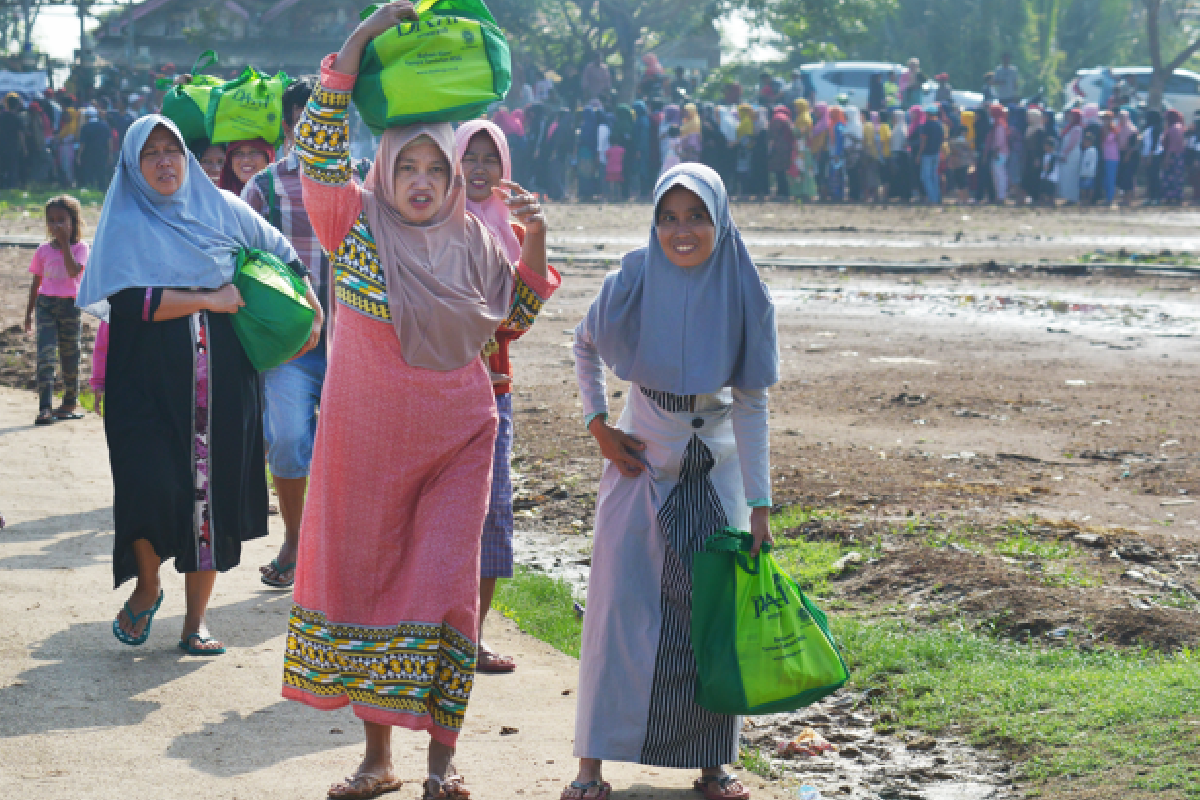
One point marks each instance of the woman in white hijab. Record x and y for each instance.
(690, 324)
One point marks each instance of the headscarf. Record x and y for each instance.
(1074, 119)
(1125, 128)
(505, 121)
(967, 120)
(804, 120)
(837, 116)
(761, 122)
(623, 131)
(997, 112)
(449, 284)
(899, 131)
(493, 212)
(186, 240)
(671, 115)
(916, 117)
(854, 125)
(653, 68)
(229, 181)
(694, 330)
(691, 121)
(745, 120)
(1033, 122)
(821, 115)
(518, 122)
(1091, 114)
(729, 123)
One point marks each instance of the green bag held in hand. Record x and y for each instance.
(187, 104)
(449, 66)
(248, 107)
(276, 320)
(761, 646)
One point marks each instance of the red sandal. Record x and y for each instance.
(721, 787)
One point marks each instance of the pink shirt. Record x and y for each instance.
(1112, 148)
(56, 281)
(613, 169)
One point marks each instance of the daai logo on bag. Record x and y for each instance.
(430, 25)
(771, 604)
(246, 98)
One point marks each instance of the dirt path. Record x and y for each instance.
(85, 718)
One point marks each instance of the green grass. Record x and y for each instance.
(542, 607)
(1022, 544)
(1060, 712)
(34, 198)
(1129, 719)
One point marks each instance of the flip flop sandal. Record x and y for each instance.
(50, 420)
(134, 619)
(716, 787)
(72, 415)
(491, 663)
(583, 788)
(280, 583)
(363, 787)
(193, 650)
(452, 788)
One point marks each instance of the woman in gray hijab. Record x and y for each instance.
(182, 411)
(690, 324)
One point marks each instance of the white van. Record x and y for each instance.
(829, 79)
(1182, 90)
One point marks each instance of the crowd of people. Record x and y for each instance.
(783, 144)
(423, 267)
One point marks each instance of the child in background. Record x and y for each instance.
(57, 269)
(1049, 176)
(614, 171)
(99, 366)
(1087, 170)
(674, 148)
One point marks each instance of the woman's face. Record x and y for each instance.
(213, 161)
(685, 230)
(247, 162)
(481, 167)
(163, 162)
(421, 181)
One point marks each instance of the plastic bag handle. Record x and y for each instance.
(420, 8)
(205, 60)
(731, 540)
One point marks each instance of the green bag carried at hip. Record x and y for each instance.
(248, 107)
(276, 320)
(449, 66)
(187, 104)
(761, 645)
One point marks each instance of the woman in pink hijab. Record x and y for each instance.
(483, 151)
(385, 614)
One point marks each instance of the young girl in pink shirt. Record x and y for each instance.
(57, 269)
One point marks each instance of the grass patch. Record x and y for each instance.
(34, 198)
(1059, 712)
(542, 607)
(1022, 545)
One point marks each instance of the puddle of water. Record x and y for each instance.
(1028, 308)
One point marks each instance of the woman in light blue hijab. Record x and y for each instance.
(688, 321)
(182, 411)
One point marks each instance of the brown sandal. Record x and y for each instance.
(721, 787)
(452, 788)
(492, 663)
(363, 786)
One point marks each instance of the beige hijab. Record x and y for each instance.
(449, 284)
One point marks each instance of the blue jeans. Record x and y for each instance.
(292, 394)
(1110, 179)
(929, 178)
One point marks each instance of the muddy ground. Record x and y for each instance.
(1000, 442)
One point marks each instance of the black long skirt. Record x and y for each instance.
(183, 420)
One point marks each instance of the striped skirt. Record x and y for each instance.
(637, 671)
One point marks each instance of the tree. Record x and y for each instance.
(1179, 14)
(824, 30)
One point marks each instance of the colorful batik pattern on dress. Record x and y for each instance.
(204, 539)
(417, 668)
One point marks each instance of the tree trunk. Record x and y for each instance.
(1158, 84)
(1158, 78)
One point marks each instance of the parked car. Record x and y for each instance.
(829, 79)
(1182, 89)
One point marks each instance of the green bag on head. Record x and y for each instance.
(276, 320)
(761, 645)
(449, 66)
(187, 104)
(248, 107)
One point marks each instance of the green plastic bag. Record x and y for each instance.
(276, 320)
(187, 104)
(761, 645)
(248, 107)
(449, 66)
